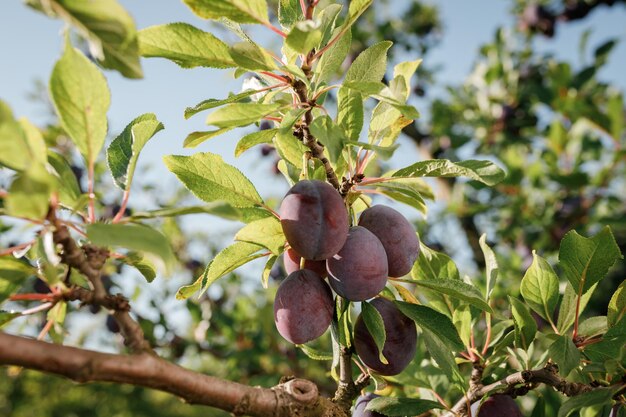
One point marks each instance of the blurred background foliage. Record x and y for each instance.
(555, 126)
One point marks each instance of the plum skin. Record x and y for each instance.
(303, 307)
(496, 406)
(359, 270)
(400, 344)
(314, 219)
(361, 403)
(291, 260)
(397, 236)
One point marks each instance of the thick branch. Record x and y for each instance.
(529, 379)
(297, 397)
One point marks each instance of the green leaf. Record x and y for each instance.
(14, 150)
(35, 141)
(316, 354)
(218, 208)
(593, 326)
(267, 270)
(135, 237)
(143, 265)
(617, 305)
(29, 193)
(483, 171)
(442, 354)
(328, 17)
(598, 396)
(375, 326)
(7, 316)
(252, 57)
(567, 309)
(304, 36)
(350, 112)
(266, 232)
(81, 98)
(107, 26)
(185, 45)
(540, 287)
(615, 110)
(491, 266)
(289, 148)
(371, 64)
(462, 319)
(565, 354)
(196, 138)
(433, 265)
(525, 325)
(355, 10)
(123, 152)
(439, 324)
(411, 191)
(67, 184)
(229, 259)
(241, 114)
(454, 288)
(331, 61)
(212, 103)
(585, 261)
(210, 179)
(330, 135)
(390, 406)
(386, 124)
(406, 70)
(255, 138)
(240, 11)
(288, 12)
(13, 272)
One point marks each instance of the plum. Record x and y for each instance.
(400, 340)
(397, 236)
(496, 406)
(303, 307)
(314, 219)
(361, 403)
(359, 270)
(291, 259)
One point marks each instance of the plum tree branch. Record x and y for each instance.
(296, 397)
(529, 379)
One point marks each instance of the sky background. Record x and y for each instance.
(30, 44)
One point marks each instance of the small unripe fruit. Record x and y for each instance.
(359, 270)
(400, 340)
(361, 403)
(303, 307)
(397, 236)
(292, 259)
(314, 219)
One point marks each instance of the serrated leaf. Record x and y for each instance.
(288, 12)
(331, 61)
(266, 232)
(218, 208)
(427, 318)
(13, 272)
(567, 309)
(328, 22)
(585, 261)
(212, 102)
(289, 148)
(210, 179)
(35, 142)
(240, 11)
(185, 45)
(525, 325)
(14, 150)
(442, 354)
(391, 406)
(81, 98)
(462, 319)
(484, 171)
(540, 287)
(7, 316)
(135, 237)
(241, 114)
(330, 135)
(491, 266)
(255, 138)
(252, 57)
(355, 10)
(598, 396)
(617, 305)
(565, 354)
(433, 265)
(29, 193)
(593, 326)
(229, 259)
(143, 265)
(371, 64)
(196, 138)
(123, 152)
(67, 184)
(107, 26)
(406, 70)
(350, 112)
(304, 36)
(375, 326)
(316, 354)
(454, 288)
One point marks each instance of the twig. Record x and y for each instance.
(9, 251)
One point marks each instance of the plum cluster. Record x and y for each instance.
(357, 260)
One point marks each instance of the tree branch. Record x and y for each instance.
(529, 379)
(296, 397)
